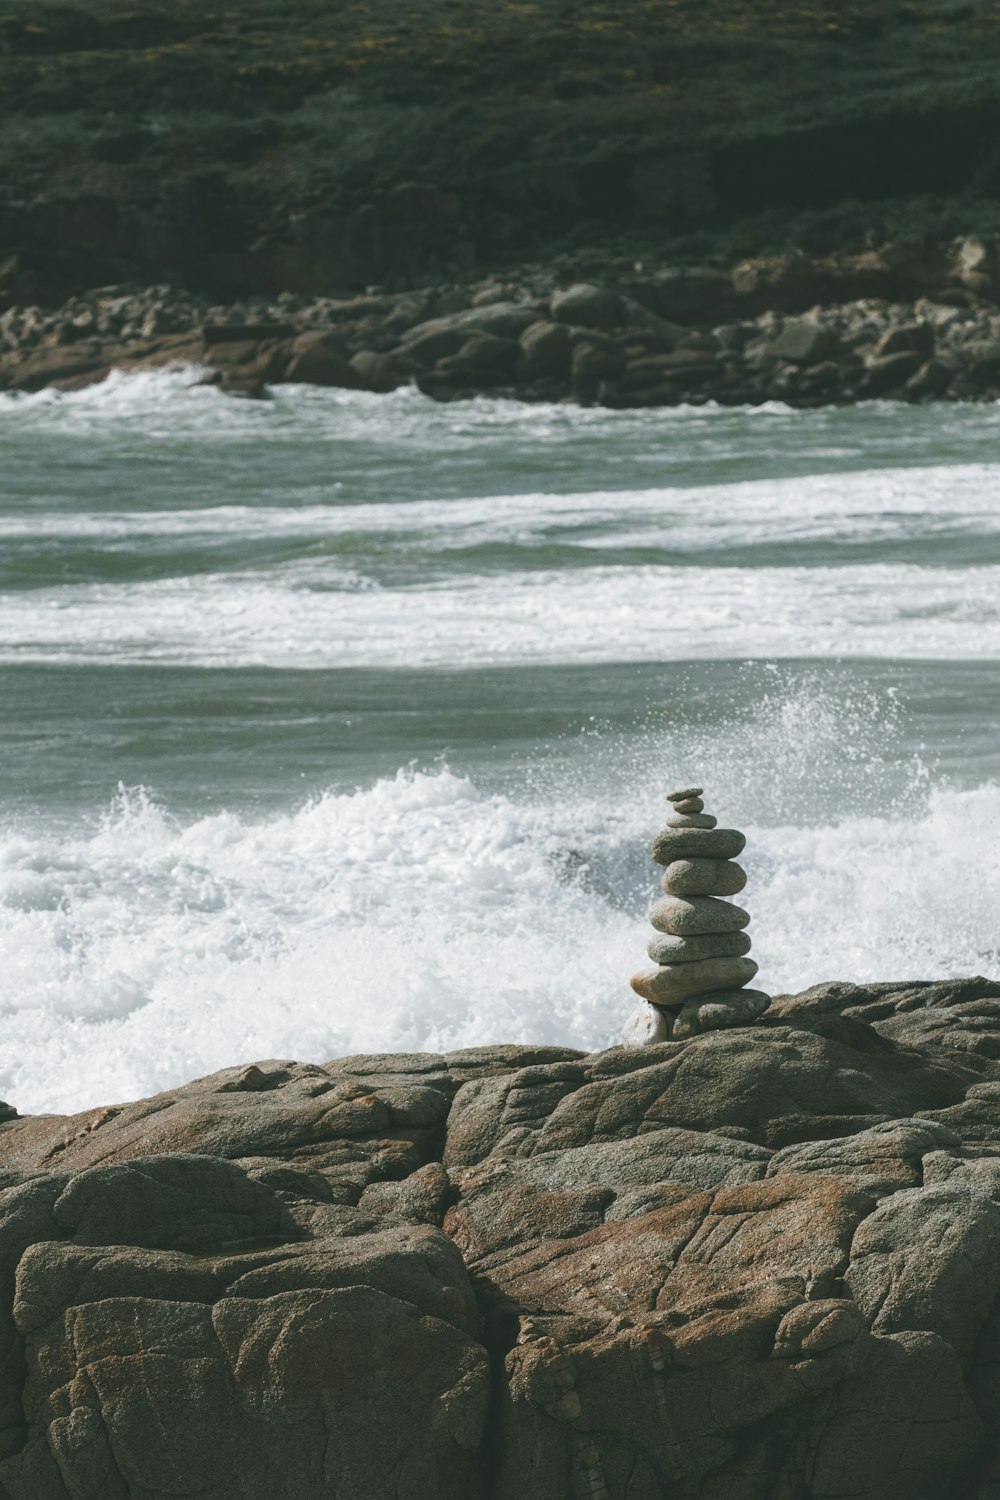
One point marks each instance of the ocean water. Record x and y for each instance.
(342, 723)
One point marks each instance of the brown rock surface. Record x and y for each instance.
(761, 1263)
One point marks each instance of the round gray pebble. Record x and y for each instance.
(667, 948)
(692, 915)
(689, 805)
(703, 877)
(672, 984)
(697, 843)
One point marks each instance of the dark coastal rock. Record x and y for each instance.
(240, 332)
(481, 355)
(320, 359)
(244, 365)
(62, 368)
(588, 307)
(252, 1374)
(762, 1261)
(529, 341)
(438, 337)
(907, 338)
(379, 372)
(546, 348)
(804, 342)
(889, 372)
(930, 381)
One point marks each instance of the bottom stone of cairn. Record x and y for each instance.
(699, 950)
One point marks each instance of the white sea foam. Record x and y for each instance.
(424, 914)
(862, 508)
(427, 911)
(150, 407)
(358, 549)
(645, 613)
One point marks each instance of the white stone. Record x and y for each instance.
(645, 1027)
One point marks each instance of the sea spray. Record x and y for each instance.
(420, 914)
(261, 611)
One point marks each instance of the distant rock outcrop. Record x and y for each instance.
(758, 1263)
(665, 337)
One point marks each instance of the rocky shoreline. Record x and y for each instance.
(889, 323)
(753, 1264)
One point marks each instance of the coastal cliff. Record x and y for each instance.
(319, 148)
(759, 1262)
(169, 170)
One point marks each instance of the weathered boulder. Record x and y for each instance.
(588, 306)
(931, 380)
(255, 1374)
(482, 355)
(976, 263)
(889, 372)
(378, 372)
(907, 338)
(982, 362)
(592, 362)
(804, 342)
(546, 349)
(320, 359)
(692, 294)
(425, 343)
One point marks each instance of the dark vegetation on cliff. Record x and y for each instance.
(311, 145)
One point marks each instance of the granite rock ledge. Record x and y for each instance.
(755, 1264)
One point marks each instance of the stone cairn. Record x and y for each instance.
(700, 947)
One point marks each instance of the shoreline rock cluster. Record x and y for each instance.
(700, 946)
(757, 1262)
(775, 329)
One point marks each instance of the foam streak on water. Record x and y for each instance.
(604, 614)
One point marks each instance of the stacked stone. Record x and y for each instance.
(700, 947)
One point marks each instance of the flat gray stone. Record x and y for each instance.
(693, 915)
(672, 984)
(714, 1012)
(692, 820)
(682, 796)
(703, 877)
(697, 843)
(667, 948)
(689, 805)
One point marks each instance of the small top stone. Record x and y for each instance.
(691, 791)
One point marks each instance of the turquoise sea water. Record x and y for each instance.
(340, 722)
